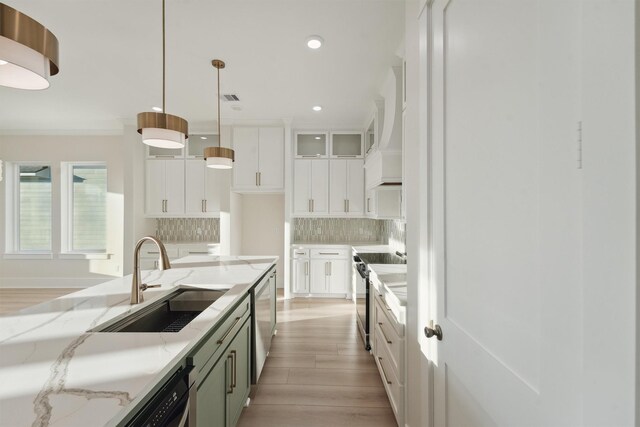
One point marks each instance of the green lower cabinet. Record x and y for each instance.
(224, 390)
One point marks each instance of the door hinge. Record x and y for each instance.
(580, 144)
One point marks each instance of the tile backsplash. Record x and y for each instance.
(336, 230)
(343, 230)
(188, 229)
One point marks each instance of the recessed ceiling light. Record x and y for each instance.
(3, 62)
(317, 137)
(317, 108)
(315, 42)
(158, 109)
(203, 137)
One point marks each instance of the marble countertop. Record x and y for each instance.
(391, 281)
(55, 373)
(344, 243)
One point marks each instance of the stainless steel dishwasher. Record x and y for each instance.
(263, 312)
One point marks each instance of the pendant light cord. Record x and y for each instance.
(164, 110)
(219, 135)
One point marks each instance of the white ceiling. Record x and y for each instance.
(111, 66)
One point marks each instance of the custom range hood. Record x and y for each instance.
(384, 163)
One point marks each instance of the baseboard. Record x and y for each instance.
(51, 282)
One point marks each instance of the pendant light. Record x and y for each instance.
(219, 157)
(161, 129)
(28, 51)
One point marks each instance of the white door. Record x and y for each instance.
(503, 202)
(318, 283)
(319, 186)
(302, 186)
(245, 166)
(174, 186)
(271, 159)
(338, 187)
(355, 187)
(154, 187)
(194, 187)
(301, 276)
(338, 276)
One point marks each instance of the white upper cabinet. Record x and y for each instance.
(259, 159)
(164, 188)
(202, 189)
(346, 187)
(311, 145)
(346, 145)
(311, 187)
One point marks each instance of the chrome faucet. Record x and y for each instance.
(163, 264)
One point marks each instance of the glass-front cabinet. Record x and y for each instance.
(346, 144)
(311, 144)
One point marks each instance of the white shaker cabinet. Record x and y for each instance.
(259, 159)
(301, 271)
(328, 276)
(346, 187)
(311, 187)
(202, 189)
(164, 187)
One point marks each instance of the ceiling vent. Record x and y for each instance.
(230, 97)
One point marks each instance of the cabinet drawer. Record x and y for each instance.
(300, 253)
(394, 388)
(331, 253)
(388, 339)
(208, 351)
(151, 251)
(388, 314)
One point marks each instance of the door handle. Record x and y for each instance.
(235, 369)
(309, 205)
(257, 179)
(344, 205)
(230, 390)
(368, 204)
(306, 268)
(330, 268)
(205, 205)
(435, 331)
(348, 208)
(313, 205)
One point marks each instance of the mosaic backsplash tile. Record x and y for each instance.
(188, 229)
(336, 230)
(394, 232)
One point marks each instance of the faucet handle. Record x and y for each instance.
(144, 286)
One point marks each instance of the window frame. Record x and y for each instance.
(66, 212)
(12, 221)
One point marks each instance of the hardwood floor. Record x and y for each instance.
(318, 373)
(14, 299)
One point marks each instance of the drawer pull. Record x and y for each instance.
(199, 252)
(383, 334)
(329, 253)
(384, 374)
(384, 303)
(226, 334)
(235, 369)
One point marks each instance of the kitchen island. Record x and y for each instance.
(55, 373)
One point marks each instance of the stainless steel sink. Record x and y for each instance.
(170, 314)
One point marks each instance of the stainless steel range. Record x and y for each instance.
(362, 286)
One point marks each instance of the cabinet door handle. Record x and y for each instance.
(201, 205)
(309, 205)
(348, 207)
(226, 334)
(329, 253)
(384, 374)
(229, 356)
(257, 179)
(383, 334)
(330, 268)
(326, 269)
(260, 179)
(235, 369)
(313, 205)
(368, 204)
(306, 268)
(205, 205)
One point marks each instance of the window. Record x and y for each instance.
(32, 208)
(84, 207)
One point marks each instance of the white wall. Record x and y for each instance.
(262, 228)
(56, 149)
